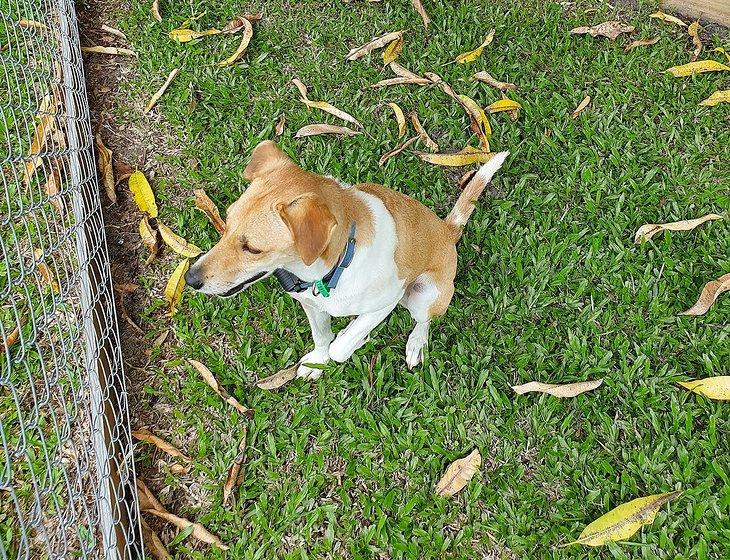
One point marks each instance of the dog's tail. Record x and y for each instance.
(464, 206)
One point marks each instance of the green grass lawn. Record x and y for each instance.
(550, 287)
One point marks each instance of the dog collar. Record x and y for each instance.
(292, 283)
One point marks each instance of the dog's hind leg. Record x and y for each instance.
(320, 322)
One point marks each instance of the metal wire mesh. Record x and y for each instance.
(66, 470)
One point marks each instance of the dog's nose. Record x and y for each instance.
(194, 279)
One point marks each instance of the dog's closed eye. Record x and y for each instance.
(247, 248)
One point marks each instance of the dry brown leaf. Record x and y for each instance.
(204, 203)
(641, 43)
(104, 158)
(458, 474)
(694, 32)
(279, 379)
(53, 186)
(279, 130)
(237, 23)
(400, 81)
(156, 97)
(458, 159)
(445, 87)
(323, 105)
(177, 243)
(562, 391)
(245, 40)
(113, 31)
(155, 10)
(421, 12)
(666, 17)
(122, 171)
(143, 434)
(582, 105)
(13, 337)
(403, 72)
(477, 121)
(709, 295)
(31, 23)
(393, 50)
(466, 178)
(152, 541)
(425, 138)
(471, 56)
(114, 51)
(45, 271)
(46, 123)
(234, 470)
(610, 29)
(377, 43)
(323, 128)
(647, 231)
(394, 152)
(489, 80)
(207, 375)
(146, 498)
(150, 238)
(400, 118)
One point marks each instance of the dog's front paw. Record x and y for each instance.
(305, 371)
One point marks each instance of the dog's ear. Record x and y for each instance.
(311, 224)
(265, 158)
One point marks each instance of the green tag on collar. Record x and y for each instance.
(322, 288)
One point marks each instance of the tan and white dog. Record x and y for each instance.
(385, 247)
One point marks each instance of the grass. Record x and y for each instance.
(550, 287)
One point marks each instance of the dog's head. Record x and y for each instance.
(282, 218)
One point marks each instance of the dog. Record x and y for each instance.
(340, 251)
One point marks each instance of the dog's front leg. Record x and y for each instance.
(357, 333)
(320, 322)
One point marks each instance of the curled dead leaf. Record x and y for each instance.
(155, 10)
(668, 18)
(177, 243)
(423, 135)
(53, 186)
(709, 295)
(610, 29)
(393, 50)
(235, 469)
(243, 45)
(717, 388)
(113, 31)
(150, 238)
(377, 43)
(44, 128)
(478, 121)
(694, 31)
(471, 56)
(400, 119)
(279, 130)
(394, 152)
(32, 24)
(641, 43)
(582, 105)
(458, 159)
(563, 391)
(279, 379)
(152, 541)
(698, 67)
(208, 207)
(113, 51)
(323, 128)
(647, 231)
(210, 379)
(458, 474)
(175, 286)
(104, 158)
(13, 337)
(44, 270)
(323, 105)
(489, 80)
(159, 93)
(421, 12)
(144, 435)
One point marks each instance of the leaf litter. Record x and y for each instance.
(210, 379)
(563, 391)
(471, 56)
(641, 43)
(323, 105)
(710, 292)
(208, 207)
(609, 29)
(232, 479)
(144, 435)
(458, 474)
(487, 78)
(374, 44)
(104, 159)
(324, 128)
(717, 388)
(647, 231)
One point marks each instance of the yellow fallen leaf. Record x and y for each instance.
(647, 231)
(377, 43)
(503, 105)
(149, 238)
(156, 97)
(562, 391)
(175, 286)
(152, 541)
(235, 469)
(425, 138)
(610, 29)
(400, 118)
(45, 272)
(641, 43)
(459, 159)
(698, 67)
(478, 121)
(471, 56)
(155, 10)
(204, 203)
(666, 17)
(458, 474)
(31, 23)
(709, 295)
(323, 128)
(104, 158)
(489, 80)
(393, 50)
(114, 51)
(212, 382)
(623, 521)
(694, 31)
(323, 105)
(144, 435)
(279, 379)
(143, 195)
(177, 243)
(421, 12)
(186, 35)
(394, 152)
(245, 40)
(582, 105)
(46, 123)
(12, 338)
(717, 388)
(721, 50)
(721, 96)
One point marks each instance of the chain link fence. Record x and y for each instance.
(66, 470)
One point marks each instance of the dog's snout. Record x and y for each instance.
(194, 278)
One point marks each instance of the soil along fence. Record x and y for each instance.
(66, 472)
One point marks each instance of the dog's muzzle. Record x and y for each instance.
(244, 284)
